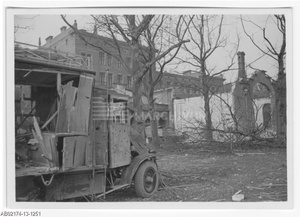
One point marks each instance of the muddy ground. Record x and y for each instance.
(215, 172)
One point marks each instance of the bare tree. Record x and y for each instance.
(140, 34)
(158, 40)
(206, 34)
(277, 53)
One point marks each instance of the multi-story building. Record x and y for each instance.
(188, 84)
(107, 67)
(111, 70)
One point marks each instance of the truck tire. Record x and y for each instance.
(146, 179)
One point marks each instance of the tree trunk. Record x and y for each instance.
(154, 130)
(281, 103)
(138, 122)
(208, 122)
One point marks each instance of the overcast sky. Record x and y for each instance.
(36, 25)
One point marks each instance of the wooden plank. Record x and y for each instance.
(89, 147)
(51, 148)
(101, 142)
(66, 108)
(35, 171)
(119, 147)
(71, 134)
(80, 116)
(39, 137)
(79, 155)
(49, 120)
(58, 84)
(68, 152)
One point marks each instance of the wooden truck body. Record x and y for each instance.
(76, 138)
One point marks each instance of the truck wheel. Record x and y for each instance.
(146, 179)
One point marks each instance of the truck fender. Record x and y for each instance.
(130, 171)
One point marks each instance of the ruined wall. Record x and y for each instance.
(189, 112)
(259, 104)
(260, 77)
(243, 107)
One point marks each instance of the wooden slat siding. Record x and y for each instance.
(89, 147)
(66, 108)
(46, 150)
(101, 142)
(100, 128)
(79, 155)
(68, 152)
(51, 148)
(119, 147)
(81, 114)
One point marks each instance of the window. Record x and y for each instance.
(119, 79)
(108, 59)
(101, 58)
(110, 79)
(129, 81)
(87, 60)
(90, 61)
(119, 64)
(128, 61)
(102, 78)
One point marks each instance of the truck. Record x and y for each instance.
(73, 136)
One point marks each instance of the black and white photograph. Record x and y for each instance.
(185, 106)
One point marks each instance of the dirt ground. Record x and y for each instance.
(215, 173)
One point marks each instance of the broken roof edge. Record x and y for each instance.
(54, 65)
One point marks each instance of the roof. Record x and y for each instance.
(40, 67)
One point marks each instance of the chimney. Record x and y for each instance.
(63, 29)
(95, 30)
(49, 39)
(241, 61)
(40, 43)
(75, 24)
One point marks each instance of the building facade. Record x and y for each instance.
(188, 84)
(109, 71)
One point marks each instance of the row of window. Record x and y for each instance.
(107, 60)
(181, 87)
(104, 60)
(111, 79)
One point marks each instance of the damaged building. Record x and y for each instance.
(246, 105)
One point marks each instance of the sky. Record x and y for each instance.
(34, 25)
